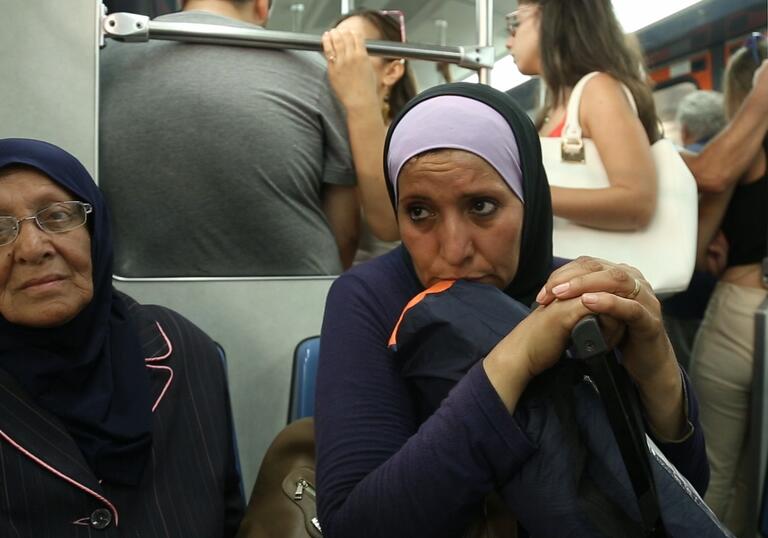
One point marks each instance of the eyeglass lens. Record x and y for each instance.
(56, 218)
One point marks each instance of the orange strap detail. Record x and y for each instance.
(436, 288)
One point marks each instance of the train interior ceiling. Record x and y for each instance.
(684, 51)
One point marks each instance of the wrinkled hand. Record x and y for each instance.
(350, 70)
(619, 294)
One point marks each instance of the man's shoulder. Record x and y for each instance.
(285, 57)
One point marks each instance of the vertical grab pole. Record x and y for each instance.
(484, 16)
(758, 442)
(347, 6)
(297, 14)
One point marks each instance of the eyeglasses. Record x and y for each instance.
(514, 20)
(399, 16)
(752, 43)
(56, 218)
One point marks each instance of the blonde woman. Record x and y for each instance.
(721, 367)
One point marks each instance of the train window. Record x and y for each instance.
(667, 100)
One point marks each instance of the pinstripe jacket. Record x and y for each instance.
(190, 488)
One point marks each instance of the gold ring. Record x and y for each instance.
(636, 291)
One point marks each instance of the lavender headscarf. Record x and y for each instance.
(489, 123)
(456, 122)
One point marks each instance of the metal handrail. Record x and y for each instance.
(130, 27)
(757, 447)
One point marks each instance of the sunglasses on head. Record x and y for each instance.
(399, 16)
(514, 19)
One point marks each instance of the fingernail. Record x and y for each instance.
(540, 296)
(590, 298)
(561, 288)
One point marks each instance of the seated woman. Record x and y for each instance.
(115, 415)
(466, 180)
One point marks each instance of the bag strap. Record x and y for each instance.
(571, 142)
(622, 407)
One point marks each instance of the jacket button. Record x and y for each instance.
(101, 518)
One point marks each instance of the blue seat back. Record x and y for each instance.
(305, 361)
(223, 356)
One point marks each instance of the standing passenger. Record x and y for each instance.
(222, 160)
(563, 41)
(700, 116)
(721, 366)
(373, 90)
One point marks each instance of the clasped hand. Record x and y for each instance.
(630, 318)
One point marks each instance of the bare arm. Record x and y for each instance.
(629, 203)
(712, 208)
(728, 156)
(341, 209)
(354, 82)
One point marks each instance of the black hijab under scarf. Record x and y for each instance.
(90, 371)
(535, 262)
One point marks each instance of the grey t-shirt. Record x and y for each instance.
(214, 158)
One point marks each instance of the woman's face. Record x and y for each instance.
(523, 40)
(459, 219)
(45, 279)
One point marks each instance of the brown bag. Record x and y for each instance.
(282, 503)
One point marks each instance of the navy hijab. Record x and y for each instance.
(90, 371)
(536, 241)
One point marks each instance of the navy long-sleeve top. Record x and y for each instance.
(380, 473)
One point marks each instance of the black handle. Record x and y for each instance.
(622, 407)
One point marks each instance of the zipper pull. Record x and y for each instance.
(299, 493)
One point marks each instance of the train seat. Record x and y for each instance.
(258, 321)
(305, 361)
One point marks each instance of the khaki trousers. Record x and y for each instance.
(721, 373)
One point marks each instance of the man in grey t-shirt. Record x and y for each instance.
(224, 161)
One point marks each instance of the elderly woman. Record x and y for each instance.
(466, 180)
(115, 416)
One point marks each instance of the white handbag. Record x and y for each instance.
(665, 251)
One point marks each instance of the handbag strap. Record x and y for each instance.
(622, 407)
(572, 144)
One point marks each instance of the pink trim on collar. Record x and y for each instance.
(167, 383)
(167, 343)
(60, 474)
